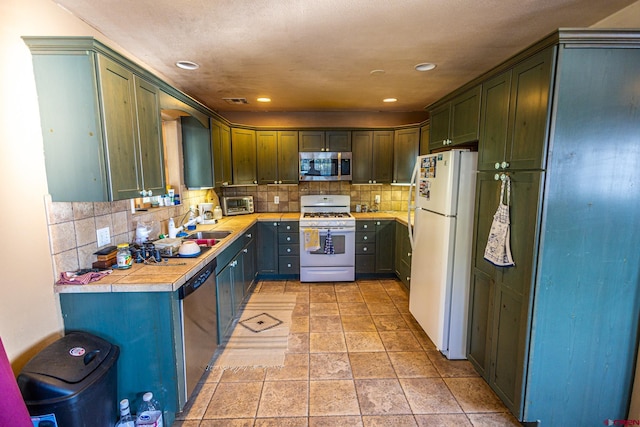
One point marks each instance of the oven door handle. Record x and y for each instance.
(334, 230)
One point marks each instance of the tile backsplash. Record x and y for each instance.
(72, 225)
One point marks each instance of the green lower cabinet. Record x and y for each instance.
(402, 261)
(146, 326)
(278, 249)
(267, 248)
(375, 244)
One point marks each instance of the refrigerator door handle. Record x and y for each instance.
(411, 206)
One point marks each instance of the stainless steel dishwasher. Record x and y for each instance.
(199, 323)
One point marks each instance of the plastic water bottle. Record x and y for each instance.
(149, 412)
(126, 420)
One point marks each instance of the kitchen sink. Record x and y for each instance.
(203, 235)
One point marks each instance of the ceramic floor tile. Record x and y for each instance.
(298, 342)
(295, 286)
(296, 367)
(284, 399)
(353, 308)
(346, 287)
(371, 365)
(383, 308)
(390, 322)
(301, 309)
(424, 340)
(414, 364)
(281, 422)
(335, 421)
(213, 376)
(234, 400)
(444, 420)
(299, 324)
(493, 420)
(197, 404)
(322, 297)
(330, 323)
(333, 398)
(238, 422)
(400, 341)
(329, 366)
(451, 368)
(363, 341)
(323, 309)
(389, 421)
(357, 323)
(429, 396)
(353, 296)
(373, 298)
(381, 397)
(327, 342)
(248, 374)
(179, 423)
(474, 395)
(272, 287)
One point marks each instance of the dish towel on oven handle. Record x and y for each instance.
(311, 239)
(328, 244)
(498, 250)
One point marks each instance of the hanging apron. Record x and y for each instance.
(498, 250)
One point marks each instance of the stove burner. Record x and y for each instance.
(326, 215)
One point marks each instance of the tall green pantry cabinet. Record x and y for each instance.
(100, 119)
(556, 336)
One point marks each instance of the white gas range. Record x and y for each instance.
(327, 239)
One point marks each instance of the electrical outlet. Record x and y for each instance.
(377, 199)
(276, 200)
(104, 237)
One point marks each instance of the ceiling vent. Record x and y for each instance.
(236, 101)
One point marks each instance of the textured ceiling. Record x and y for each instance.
(317, 55)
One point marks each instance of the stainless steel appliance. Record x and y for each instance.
(325, 166)
(199, 324)
(237, 205)
(327, 219)
(441, 240)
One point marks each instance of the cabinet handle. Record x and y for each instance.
(288, 239)
(288, 249)
(364, 249)
(408, 278)
(279, 182)
(255, 182)
(248, 235)
(245, 250)
(365, 226)
(497, 165)
(408, 254)
(500, 177)
(504, 165)
(365, 238)
(378, 223)
(226, 183)
(288, 227)
(374, 181)
(288, 265)
(275, 224)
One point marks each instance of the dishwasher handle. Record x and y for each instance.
(196, 281)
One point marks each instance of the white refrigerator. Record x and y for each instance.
(443, 187)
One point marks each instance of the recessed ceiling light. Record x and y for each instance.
(187, 65)
(376, 72)
(263, 99)
(390, 100)
(425, 66)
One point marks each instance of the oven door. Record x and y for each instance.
(344, 243)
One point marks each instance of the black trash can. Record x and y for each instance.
(75, 379)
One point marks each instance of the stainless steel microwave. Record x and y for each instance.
(237, 205)
(325, 166)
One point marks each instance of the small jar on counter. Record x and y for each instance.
(217, 212)
(124, 258)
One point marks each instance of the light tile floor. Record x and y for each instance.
(356, 357)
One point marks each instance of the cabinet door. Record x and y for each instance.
(224, 284)
(237, 274)
(196, 154)
(425, 132)
(243, 156)
(362, 151)
(481, 296)
(267, 247)
(221, 142)
(338, 140)
(385, 246)
(405, 152)
(494, 121)
(249, 265)
(529, 112)
(382, 157)
(267, 153)
(465, 116)
(149, 131)
(439, 126)
(288, 157)
(117, 91)
(311, 140)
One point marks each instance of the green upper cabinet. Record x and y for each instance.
(221, 142)
(243, 155)
(456, 122)
(405, 151)
(372, 157)
(94, 108)
(514, 116)
(196, 153)
(317, 140)
(425, 132)
(277, 153)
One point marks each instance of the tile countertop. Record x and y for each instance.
(168, 277)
